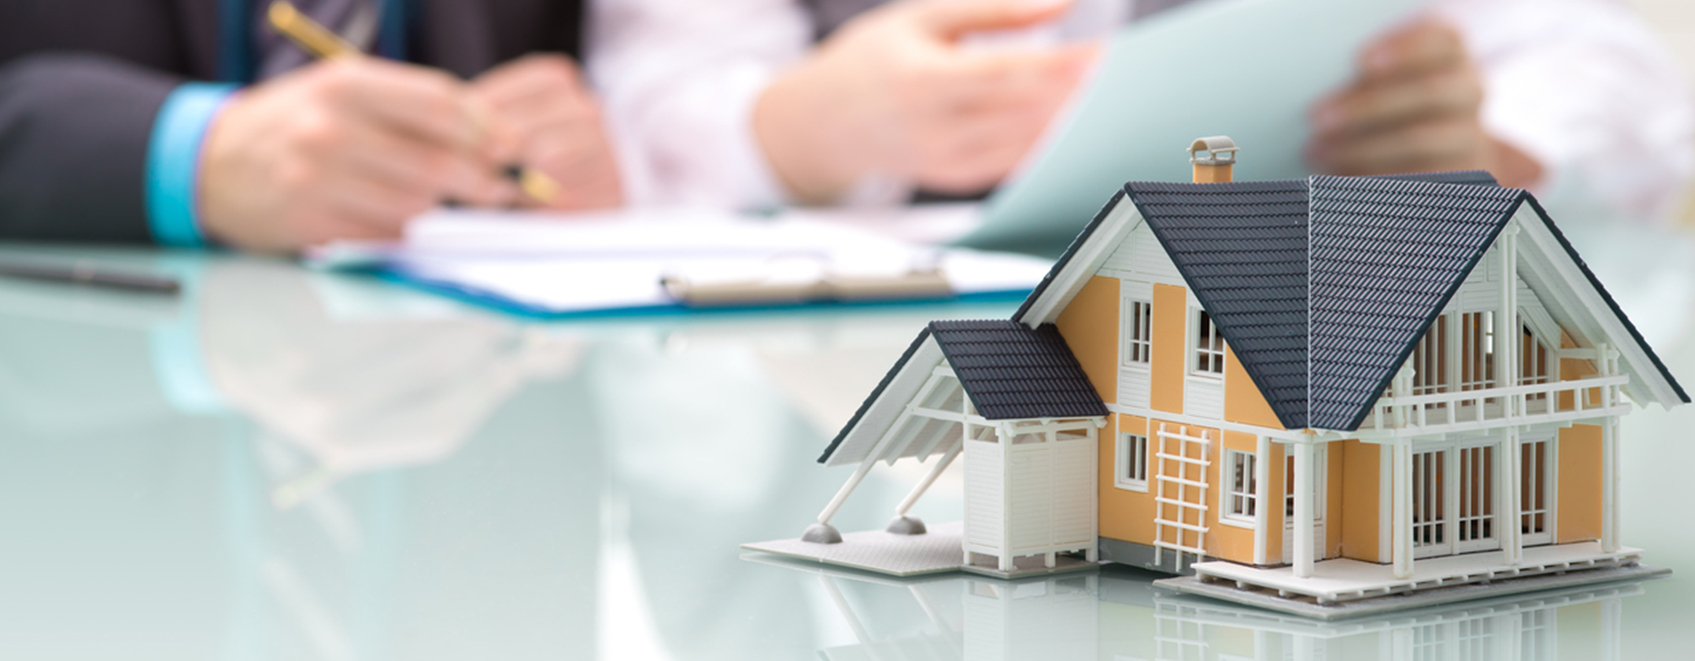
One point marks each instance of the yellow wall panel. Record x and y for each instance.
(1359, 473)
(1171, 317)
(1579, 501)
(1124, 514)
(1090, 327)
(1243, 401)
(1224, 540)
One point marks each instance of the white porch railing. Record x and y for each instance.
(1555, 401)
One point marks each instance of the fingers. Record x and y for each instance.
(1452, 144)
(1420, 47)
(1414, 106)
(1364, 108)
(527, 78)
(426, 103)
(951, 19)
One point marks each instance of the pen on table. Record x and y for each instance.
(322, 43)
(79, 273)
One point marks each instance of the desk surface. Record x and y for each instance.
(291, 465)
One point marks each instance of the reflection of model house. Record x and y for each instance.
(1331, 389)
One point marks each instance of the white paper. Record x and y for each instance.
(1249, 69)
(562, 263)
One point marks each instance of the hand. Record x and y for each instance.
(558, 124)
(346, 148)
(1415, 105)
(894, 93)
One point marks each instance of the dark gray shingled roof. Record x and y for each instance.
(1268, 258)
(1385, 257)
(1012, 371)
(1243, 250)
(1321, 286)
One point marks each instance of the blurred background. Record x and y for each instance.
(1675, 21)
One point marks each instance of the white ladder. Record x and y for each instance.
(1191, 474)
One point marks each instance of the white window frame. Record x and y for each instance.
(1247, 490)
(1121, 468)
(1477, 331)
(1195, 348)
(1129, 341)
(1430, 371)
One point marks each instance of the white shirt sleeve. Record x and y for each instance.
(1585, 88)
(679, 79)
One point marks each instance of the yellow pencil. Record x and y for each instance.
(321, 42)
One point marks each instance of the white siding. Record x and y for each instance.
(1074, 491)
(1135, 387)
(1030, 518)
(1530, 305)
(983, 488)
(1203, 398)
(1142, 254)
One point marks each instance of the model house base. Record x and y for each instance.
(1354, 589)
(935, 551)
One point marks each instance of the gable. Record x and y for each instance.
(1008, 370)
(1576, 298)
(1242, 251)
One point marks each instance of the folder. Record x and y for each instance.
(553, 266)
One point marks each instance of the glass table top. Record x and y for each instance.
(286, 464)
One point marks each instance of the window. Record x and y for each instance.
(1534, 366)
(1430, 360)
(1477, 350)
(1209, 346)
(1132, 462)
(1138, 332)
(1240, 500)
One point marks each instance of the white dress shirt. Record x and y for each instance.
(1580, 85)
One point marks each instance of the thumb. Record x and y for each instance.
(951, 19)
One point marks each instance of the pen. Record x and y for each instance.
(83, 274)
(320, 42)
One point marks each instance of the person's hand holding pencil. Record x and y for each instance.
(351, 147)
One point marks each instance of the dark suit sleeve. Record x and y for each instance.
(74, 133)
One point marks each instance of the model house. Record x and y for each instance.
(1320, 390)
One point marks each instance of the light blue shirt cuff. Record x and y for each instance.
(173, 162)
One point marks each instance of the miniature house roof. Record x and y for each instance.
(1322, 286)
(1012, 371)
(1009, 370)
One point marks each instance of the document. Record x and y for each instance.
(556, 265)
(1248, 69)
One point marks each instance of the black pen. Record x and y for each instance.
(82, 274)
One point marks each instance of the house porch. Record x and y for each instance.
(1342, 580)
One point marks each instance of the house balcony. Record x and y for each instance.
(1448, 412)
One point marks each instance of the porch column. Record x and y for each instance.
(1609, 486)
(1262, 496)
(1510, 475)
(1401, 552)
(1303, 509)
(1507, 331)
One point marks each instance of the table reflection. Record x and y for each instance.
(1118, 615)
(282, 464)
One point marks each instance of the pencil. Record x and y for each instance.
(322, 43)
(82, 274)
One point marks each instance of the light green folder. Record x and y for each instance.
(1249, 69)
